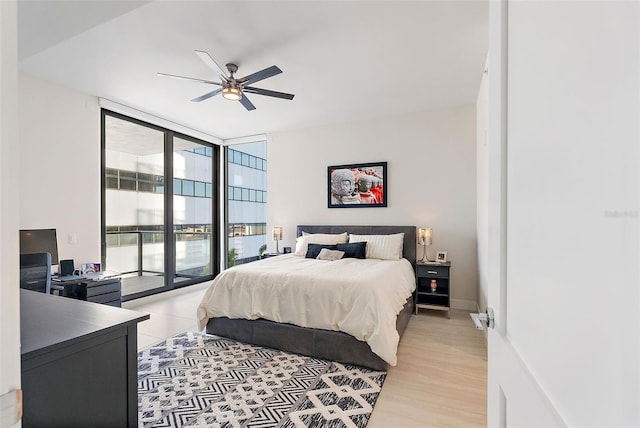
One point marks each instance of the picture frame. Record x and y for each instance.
(359, 185)
(441, 257)
(90, 268)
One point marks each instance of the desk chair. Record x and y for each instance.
(35, 272)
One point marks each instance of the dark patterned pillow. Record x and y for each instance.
(314, 249)
(356, 250)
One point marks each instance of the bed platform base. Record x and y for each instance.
(325, 344)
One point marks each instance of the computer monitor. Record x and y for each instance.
(39, 241)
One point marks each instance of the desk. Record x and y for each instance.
(79, 362)
(106, 291)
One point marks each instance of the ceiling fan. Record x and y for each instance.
(233, 88)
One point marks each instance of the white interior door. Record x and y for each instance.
(564, 120)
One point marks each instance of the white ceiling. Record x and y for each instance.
(343, 60)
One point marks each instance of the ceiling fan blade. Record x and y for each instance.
(268, 92)
(207, 95)
(207, 59)
(260, 75)
(189, 78)
(246, 103)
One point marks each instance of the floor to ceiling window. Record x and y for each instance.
(159, 206)
(193, 195)
(246, 201)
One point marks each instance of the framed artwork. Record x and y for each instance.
(441, 257)
(90, 268)
(358, 185)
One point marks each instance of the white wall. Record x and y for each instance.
(431, 182)
(58, 179)
(9, 262)
(431, 175)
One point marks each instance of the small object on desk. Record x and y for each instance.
(94, 276)
(66, 267)
(67, 278)
(91, 268)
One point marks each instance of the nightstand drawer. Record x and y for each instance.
(433, 271)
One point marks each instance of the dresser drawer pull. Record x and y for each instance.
(432, 271)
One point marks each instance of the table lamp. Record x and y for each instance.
(425, 234)
(277, 236)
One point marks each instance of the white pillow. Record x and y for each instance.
(318, 238)
(385, 247)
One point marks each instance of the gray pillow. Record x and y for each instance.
(327, 254)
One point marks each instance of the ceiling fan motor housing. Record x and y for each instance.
(232, 68)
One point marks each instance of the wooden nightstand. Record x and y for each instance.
(440, 298)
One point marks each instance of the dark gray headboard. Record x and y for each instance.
(409, 243)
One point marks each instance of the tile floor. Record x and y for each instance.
(170, 313)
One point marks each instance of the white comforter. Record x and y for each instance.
(361, 297)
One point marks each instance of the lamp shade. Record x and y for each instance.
(277, 233)
(425, 234)
(231, 93)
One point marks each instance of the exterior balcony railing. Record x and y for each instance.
(140, 253)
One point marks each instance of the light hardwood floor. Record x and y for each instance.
(440, 379)
(441, 376)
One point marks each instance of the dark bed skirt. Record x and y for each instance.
(325, 344)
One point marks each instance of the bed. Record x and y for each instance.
(326, 343)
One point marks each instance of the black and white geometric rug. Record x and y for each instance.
(200, 380)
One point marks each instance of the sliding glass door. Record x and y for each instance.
(159, 206)
(193, 202)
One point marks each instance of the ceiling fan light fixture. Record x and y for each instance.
(231, 93)
(232, 88)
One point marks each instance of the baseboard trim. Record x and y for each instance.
(467, 305)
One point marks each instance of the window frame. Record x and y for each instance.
(208, 149)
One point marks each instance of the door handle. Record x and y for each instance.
(487, 317)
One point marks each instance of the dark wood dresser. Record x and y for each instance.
(79, 362)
